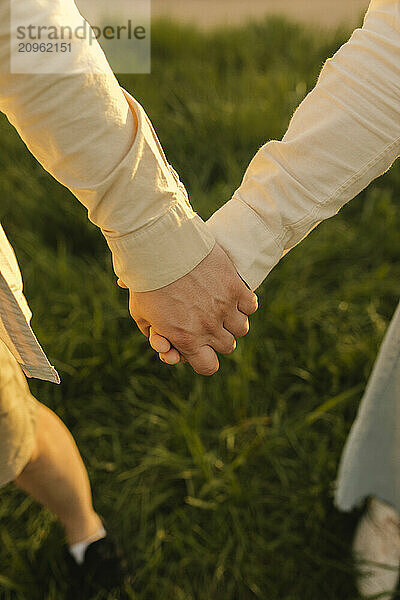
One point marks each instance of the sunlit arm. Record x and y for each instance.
(96, 140)
(343, 135)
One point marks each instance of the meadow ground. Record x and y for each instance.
(217, 488)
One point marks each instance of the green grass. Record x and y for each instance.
(217, 488)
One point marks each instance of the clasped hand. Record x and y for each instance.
(198, 316)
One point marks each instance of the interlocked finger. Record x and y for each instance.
(172, 357)
(143, 326)
(224, 342)
(248, 304)
(158, 342)
(204, 361)
(237, 324)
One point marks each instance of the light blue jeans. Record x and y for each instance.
(370, 463)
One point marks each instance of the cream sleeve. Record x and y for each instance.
(97, 140)
(344, 134)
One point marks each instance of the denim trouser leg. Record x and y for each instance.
(370, 463)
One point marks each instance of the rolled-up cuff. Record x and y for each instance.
(246, 240)
(163, 251)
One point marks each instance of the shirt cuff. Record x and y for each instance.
(246, 239)
(162, 251)
(164, 239)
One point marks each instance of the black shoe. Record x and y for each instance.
(104, 569)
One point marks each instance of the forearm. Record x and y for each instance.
(96, 140)
(343, 135)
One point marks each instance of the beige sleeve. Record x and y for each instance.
(343, 135)
(96, 140)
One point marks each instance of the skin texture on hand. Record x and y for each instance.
(199, 315)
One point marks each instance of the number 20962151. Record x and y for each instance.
(44, 46)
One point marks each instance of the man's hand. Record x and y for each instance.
(200, 314)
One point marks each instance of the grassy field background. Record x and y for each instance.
(214, 13)
(217, 488)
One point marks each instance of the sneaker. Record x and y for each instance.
(376, 548)
(104, 568)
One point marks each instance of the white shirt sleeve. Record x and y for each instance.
(344, 134)
(97, 140)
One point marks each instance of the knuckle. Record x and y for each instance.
(243, 329)
(209, 326)
(141, 323)
(184, 340)
(229, 347)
